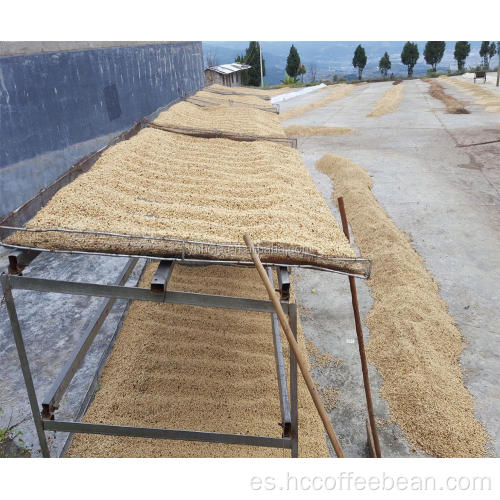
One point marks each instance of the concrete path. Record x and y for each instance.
(447, 199)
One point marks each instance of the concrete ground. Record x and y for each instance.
(491, 80)
(446, 198)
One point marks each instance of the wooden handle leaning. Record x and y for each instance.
(361, 342)
(295, 348)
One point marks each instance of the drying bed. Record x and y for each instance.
(175, 196)
(224, 118)
(255, 91)
(207, 98)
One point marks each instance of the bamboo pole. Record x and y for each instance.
(361, 342)
(295, 348)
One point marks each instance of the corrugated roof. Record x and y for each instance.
(226, 69)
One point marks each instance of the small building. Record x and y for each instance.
(225, 74)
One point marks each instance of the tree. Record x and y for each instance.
(359, 60)
(302, 72)
(492, 50)
(433, 53)
(313, 71)
(384, 64)
(483, 52)
(293, 62)
(487, 51)
(462, 50)
(409, 56)
(252, 58)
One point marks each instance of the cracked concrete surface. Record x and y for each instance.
(446, 198)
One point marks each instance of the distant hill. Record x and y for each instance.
(336, 57)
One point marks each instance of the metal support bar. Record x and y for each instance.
(174, 434)
(136, 293)
(284, 282)
(280, 369)
(160, 279)
(294, 428)
(52, 398)
(19, 259)
(25, 367)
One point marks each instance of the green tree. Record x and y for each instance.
(384, 64)
(433, 53)
(483, 52)
(409, 56)
(462, 50)
(252, 57)
(491, 51)
(293, 62)
(487, 51)
(359, 60)
(302, 72)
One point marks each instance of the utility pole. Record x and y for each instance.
(261, 77)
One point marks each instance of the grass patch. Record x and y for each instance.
(9, 448)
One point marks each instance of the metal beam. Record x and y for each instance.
(280, 369)
(174, 434)
(135, 293)
(162, 275)
(51, 401)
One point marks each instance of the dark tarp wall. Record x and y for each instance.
(57, 107)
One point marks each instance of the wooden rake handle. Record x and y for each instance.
(295, 348)
(361, 343)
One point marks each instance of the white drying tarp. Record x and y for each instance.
(297, 93)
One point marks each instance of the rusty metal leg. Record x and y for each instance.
(372, 431)
(25, 367)
(294, 404)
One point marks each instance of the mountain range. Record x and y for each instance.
(335, 58)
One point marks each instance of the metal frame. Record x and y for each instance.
(197, 261)
(44, 418)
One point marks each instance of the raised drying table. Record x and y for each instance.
(45, 416)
